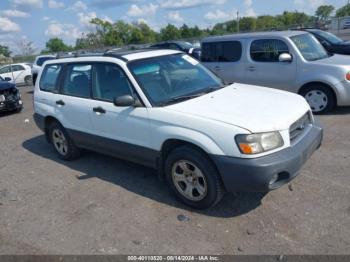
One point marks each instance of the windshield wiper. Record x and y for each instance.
(179, 99)
(187, 97)
(213, 88)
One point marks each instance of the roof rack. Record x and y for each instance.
(109, 51)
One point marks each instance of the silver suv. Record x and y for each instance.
(288, 60)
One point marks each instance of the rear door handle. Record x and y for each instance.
(217, 68)
(251, 68)
(60, 103)
(99, 110)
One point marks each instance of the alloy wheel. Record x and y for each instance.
(189, 180)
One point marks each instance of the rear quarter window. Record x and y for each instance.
(48, 81)
(226, 51)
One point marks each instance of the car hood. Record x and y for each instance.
(257, 109)
(6, 85)
(345, 43)
(342, 60)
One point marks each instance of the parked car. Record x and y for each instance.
(165, 110)
(38, 63)
(10, 97)
(289, 60)
(183, 46)
(346, 25)
(331, 42)
(18, 73)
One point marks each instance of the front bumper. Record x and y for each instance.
(255, 174)
(11, 105)
(342, 90)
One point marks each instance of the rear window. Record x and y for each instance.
(48, 81)
(227, 51)
(267, 50)
(42, 60)
(77, 81)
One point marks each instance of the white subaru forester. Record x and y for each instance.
(165, 110)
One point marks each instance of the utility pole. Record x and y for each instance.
(238, 20)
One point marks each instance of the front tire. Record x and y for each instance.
(193, 178)
(62, 143)
(320, 98)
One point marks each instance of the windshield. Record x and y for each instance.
(309, 47)
(173, 78)
(1, 79)
(329, 37)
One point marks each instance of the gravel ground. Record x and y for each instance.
(101, 205)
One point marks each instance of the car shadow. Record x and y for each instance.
(8, 113)
(340, 111)
(140, 180)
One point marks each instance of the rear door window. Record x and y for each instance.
(267, 50)
(16, 68)
(226, 51)
(77, 80)
(48, 81)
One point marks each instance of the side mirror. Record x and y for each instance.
(8, 79)
(126, 101)
(285, 57)
(324, 43)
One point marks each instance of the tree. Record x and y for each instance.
(247, 24)
(343, 11)
(185, 31)
(5, 51)
(170, 32)
(323, 12)
(25, 47)
(55, 45)
(89, 40)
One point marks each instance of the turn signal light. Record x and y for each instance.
(246, 149)
(348, 76)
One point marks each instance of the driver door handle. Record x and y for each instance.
(251, 68)
(60, 103)
(99, 110)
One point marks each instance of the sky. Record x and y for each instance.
(40, 20)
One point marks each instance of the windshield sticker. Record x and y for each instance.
(190, 60)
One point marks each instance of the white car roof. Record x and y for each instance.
(40, 56)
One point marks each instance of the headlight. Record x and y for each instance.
(258, 143)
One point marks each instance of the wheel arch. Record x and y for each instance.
(318, 83)
(47, 122)
(172, 143)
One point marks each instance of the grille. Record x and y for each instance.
(299, 127)
(10, 94)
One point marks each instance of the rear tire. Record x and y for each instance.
(193, 178)
(62, 143)
(34, 79)
(320, 98)
(28, 80)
